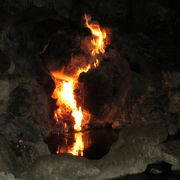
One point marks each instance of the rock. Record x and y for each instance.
(7, 176)
(24, 140)
(178, 119)
(64, 167)
(172, 128)
(174, 104)
(28, 100)
(171, 153)
(8, 162)
(4, 95)
(5, 63)
(11, 68)
(135, 149)
(20, 102)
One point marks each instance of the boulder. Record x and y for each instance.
(29, 101)
(64, 167)
(23, 142)
(171, 153)
(135, 149)
(7, 176)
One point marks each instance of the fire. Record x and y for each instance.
(66, 101)
(78, 146)
(99, 40)
(76, 149)
(66, 84)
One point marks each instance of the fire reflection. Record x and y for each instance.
(77, 147)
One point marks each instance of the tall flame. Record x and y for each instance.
(66, 85)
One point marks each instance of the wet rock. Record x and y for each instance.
(158, 168)
(63, 167)
(135, 149)
(171, 153)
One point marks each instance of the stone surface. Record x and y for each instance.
(4, 95)
(8, 162)
(171, 153)
(174, 104)
(27, 99)
(23, 144)
(7, 176)
(135, 149)
(64, 167)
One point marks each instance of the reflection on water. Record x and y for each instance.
(92, 144)
(76, 148)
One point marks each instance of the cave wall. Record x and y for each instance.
(139, 84)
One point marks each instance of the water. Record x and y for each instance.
(96, 143)
(143, 176)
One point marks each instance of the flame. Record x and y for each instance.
(78, 146)
(64, 93)
(76, 149)
(99, 36)
(66, 83)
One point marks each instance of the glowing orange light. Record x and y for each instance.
(99, 36)
(67, 83)
(76, 149)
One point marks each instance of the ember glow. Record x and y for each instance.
(69, 109)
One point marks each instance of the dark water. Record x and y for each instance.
(144, 176)
(97, 142)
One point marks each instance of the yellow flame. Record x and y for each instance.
(76, 149)
(78, 146)
(66, 84)
(99, 36)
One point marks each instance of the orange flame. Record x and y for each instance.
(66, 85)
(64, 93)
(76, 149)
(99, 36)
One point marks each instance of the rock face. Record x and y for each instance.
(135, 149)
(120, 83)
(63, 167)
(22, 144)
(7, 176)
(4, 95)
(8, 162)
(171, 153)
